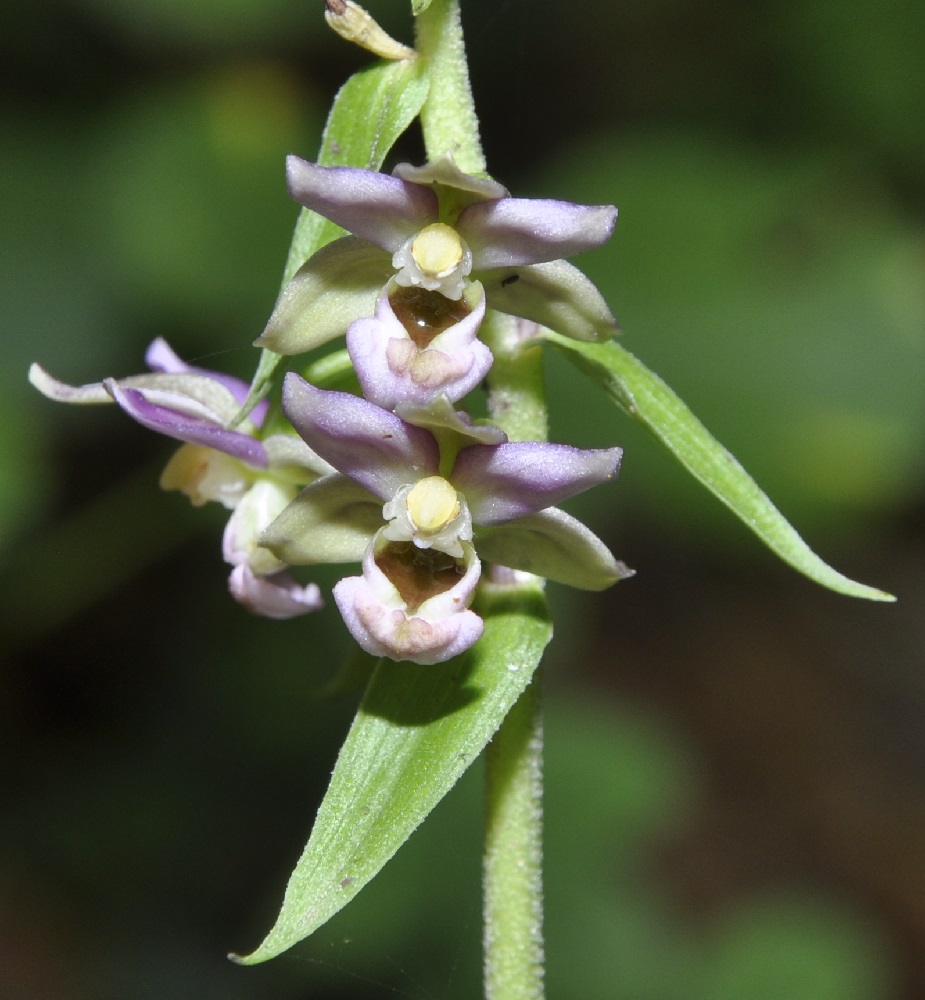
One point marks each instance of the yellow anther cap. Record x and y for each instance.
(432, 504)
(437, 249)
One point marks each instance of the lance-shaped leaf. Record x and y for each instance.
(417, 730)
(370, 112)
(645, 397)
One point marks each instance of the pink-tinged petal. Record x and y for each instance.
(511, 232)
(376, 449)
(161, 357)
(277, 596)
(259, 506)
(185, 426)
(464, 332)
(393, 370)
(554, 545)
(511, 480)
(441, 628)
(377, 207)
(392, 633)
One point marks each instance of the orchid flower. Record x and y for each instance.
(430, 231)
(218, 461)
(419, 506)
(420, 346)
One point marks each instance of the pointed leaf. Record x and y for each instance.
(417, 730)
(645, 397)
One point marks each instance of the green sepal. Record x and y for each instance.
(332, 520)
(419, 6)
(329, 291)
(555, 295)
(372, 109)
(416, 731)
(647, 399)
(554, 545)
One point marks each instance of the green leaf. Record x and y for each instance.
(419, 6)
(417, 730)
(370, 112)
(644, 396)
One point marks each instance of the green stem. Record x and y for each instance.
(512, 870)
(516, 391)
(512, 867)
(448, 117)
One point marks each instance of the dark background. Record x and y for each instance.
(736, 757)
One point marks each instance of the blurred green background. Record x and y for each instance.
(736, 759)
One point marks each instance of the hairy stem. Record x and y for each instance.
(448, 117)
(512, 866)
(512, 870)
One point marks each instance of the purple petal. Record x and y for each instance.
(506, 481)
(511, 232)
(184, 427)
(160, 357)
(370, 445)
(382, 209)
(277, 596)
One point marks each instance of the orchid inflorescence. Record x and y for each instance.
(398, 480)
